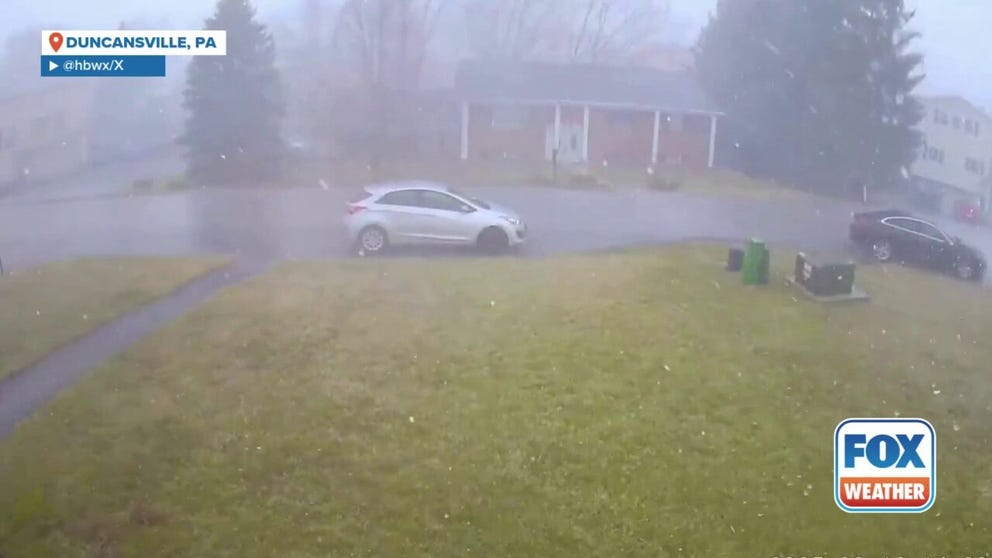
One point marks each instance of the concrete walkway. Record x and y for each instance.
(24, 392)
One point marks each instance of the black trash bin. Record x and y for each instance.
(735, 259)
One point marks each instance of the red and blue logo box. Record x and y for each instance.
(885, 465)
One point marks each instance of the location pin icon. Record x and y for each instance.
(55, 40)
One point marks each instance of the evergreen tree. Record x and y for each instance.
(127, 119)
(818, 92)
(235, 104)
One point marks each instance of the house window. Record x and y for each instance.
(974, 166)
(934, 154)
(58, 122)
(8, 138)
(956, 122)
(673, 122)
(622, 118)
(39, 126)
(939, 117)
(510, 118)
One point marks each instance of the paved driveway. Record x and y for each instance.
(305, 222)
(299, 223)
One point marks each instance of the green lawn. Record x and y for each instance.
(637, 404)
(48, 306)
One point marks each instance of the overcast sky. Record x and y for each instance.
(955, 40)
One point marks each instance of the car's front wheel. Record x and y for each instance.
(493, 240)
(372, 240)
(882, 251)
(966, 270)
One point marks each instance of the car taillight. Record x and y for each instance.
(353, 209)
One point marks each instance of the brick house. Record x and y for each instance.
(592, 114)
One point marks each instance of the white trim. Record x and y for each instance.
(712, 141)
(585, 134)
(557, 142)
(654, 138)
(595, 104)
(946, 238)
(464, 135)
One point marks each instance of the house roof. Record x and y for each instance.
(591, 84)
(956, 100)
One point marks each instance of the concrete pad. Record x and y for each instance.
(856, 294)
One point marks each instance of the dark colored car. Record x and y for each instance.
(898, 236)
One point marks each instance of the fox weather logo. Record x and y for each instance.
(885, 465)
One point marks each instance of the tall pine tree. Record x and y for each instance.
(818, 92)
(235, 104)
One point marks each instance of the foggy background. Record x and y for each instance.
(955, 37)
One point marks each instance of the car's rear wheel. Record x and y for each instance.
(493, 240)
(372, 240)
(882, 251)
(966, 270)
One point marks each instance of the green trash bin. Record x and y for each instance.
(756, 263)
(766, 260)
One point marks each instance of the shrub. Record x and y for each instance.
(584, 180)
(180, 182)
(143, 184)
(663, 183)
(541, 179)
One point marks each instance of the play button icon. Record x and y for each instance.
(52, 66)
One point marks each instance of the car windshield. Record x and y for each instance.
(476, 201)
(683, 297)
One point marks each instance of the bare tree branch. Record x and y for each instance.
(613, 29)
(508, 28)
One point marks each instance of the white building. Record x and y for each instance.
(954, 163)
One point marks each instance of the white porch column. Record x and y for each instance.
(654, 138)
(712, 140)
(464, 151)
(585, 134)
(557, 143)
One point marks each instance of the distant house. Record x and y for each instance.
(51, 127)
(590, 114)
(665, 56)
(43, 130)
(954, 162)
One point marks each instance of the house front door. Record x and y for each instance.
(570, 149)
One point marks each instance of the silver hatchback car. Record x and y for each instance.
(426, 213)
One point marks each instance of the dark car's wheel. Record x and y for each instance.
(372, 240)
(966, 270)
(882, 250)
(493, 240)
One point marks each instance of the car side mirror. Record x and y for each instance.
(467, 209)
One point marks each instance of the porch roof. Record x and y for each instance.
(582, 84)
